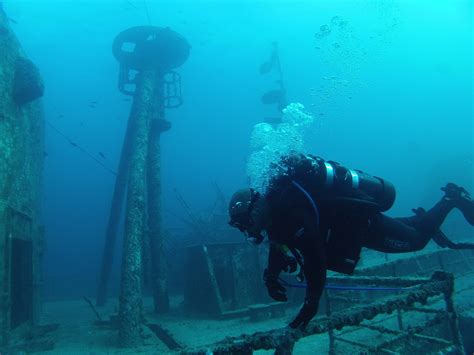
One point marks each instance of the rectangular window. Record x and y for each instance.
(21, 282)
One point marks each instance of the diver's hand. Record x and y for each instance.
(307, 312)
(290, 264)
(274, 287)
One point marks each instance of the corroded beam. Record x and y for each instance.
(130, 312)
(155, 220)
(115, 213)
(377, 280)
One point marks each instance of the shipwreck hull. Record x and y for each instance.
(21, 163)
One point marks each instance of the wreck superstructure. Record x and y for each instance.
(21, 162)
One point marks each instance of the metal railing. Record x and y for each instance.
(416, 290)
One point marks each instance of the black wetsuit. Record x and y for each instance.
(329, 233)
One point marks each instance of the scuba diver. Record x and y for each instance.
(318, 214)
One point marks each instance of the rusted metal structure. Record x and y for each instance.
(21, 163)
(222, 279)
(402, 305)
(147, 57)
(418, 291)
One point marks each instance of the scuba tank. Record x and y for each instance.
(330, 181)
(358, 186)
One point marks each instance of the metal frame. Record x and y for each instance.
(420, 290)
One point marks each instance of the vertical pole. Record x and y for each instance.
(440, 261)
(155, 232)
(4, 284)
(130, 314)
(116, 211)
(332, 342)
(399, 319)
(452, 316)
(213, 281)
(399, 311)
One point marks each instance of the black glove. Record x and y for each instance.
(307, 312)
(289, 264)
(274, 287)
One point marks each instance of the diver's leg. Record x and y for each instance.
(430, 221)
(455, 197)
(398, 235)
(395, 235)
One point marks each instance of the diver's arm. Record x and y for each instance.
(275, 255)
(312, 247)
(277, 262)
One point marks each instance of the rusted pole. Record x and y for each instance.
(155, 233)
(145, 54)
(399, 311)
(116, 208)
(452, 315)
(130, 313)
(4, 304)
(332, 342)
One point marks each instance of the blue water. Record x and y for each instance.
(391, 93)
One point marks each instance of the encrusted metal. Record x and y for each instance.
(421, 289)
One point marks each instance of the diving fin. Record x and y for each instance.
(462, 200)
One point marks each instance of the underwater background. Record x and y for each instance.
(388, 83)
